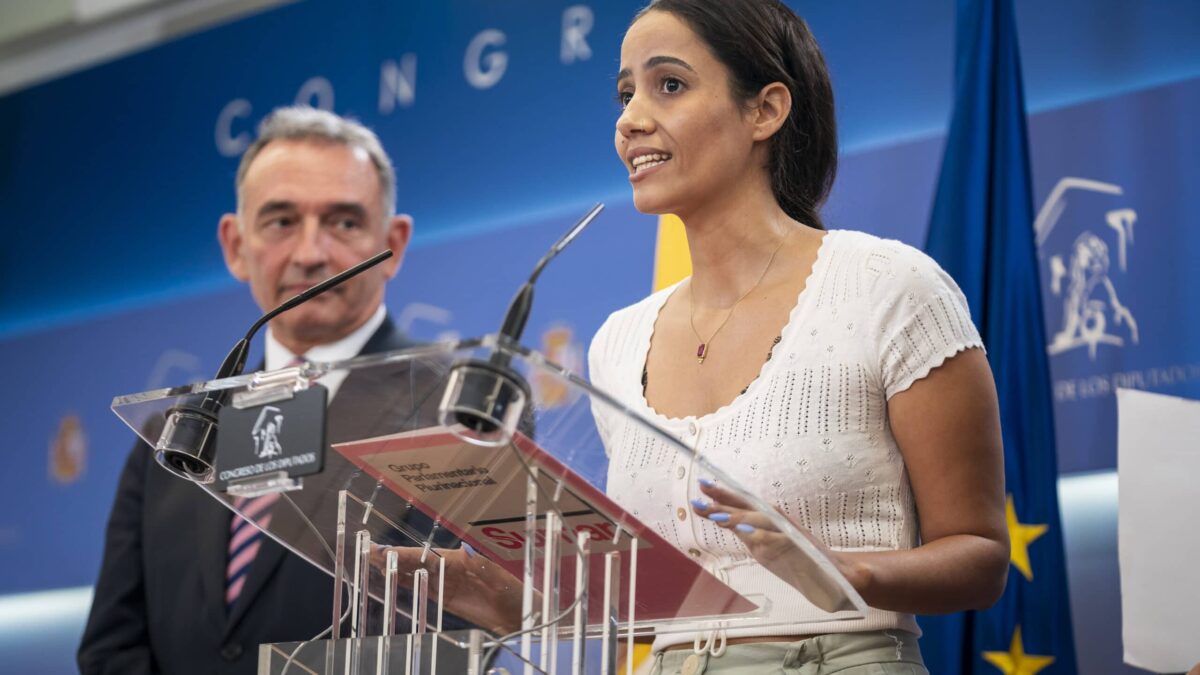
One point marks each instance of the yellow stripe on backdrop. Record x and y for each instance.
(672, 262)
(642, 662)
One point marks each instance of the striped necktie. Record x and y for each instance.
(244, 538)
(244, 541)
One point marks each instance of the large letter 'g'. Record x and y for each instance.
(484, 71)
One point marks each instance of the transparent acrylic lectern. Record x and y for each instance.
(472, 519)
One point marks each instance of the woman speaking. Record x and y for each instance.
(833, 373)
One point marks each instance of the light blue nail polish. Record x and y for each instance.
(700, 504)
(744, 527)
(470, 550)
(707, 483)
(719, 517)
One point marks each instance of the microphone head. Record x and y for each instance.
(483, 402)
(187, 446)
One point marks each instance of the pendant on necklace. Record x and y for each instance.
(701, 352)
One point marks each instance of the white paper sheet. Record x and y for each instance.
(1158, 465)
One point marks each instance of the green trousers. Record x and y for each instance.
(869, 653)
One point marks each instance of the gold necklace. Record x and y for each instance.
(702, 350)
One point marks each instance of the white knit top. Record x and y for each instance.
(810, 434)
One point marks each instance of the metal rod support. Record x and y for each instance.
(633, 563)
(528, 620)
(550, 585)
(608, 613)
(362, 572)
(441, 595)
(339, 567)
(583, 551)
(389, 592)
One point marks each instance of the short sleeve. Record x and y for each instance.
(922, 317)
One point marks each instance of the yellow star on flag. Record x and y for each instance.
(1020, 536)
(1015, 661)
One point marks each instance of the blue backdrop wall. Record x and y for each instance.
(500, 117)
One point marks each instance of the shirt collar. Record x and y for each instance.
(278, 356)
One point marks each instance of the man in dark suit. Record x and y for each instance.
(182, 589)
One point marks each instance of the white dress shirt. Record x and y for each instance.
(278, 356)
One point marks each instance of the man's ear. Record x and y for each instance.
(229, 234)
(772, 107)
(399, 233)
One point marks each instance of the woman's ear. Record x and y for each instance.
(771, 109)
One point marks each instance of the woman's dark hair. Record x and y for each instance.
(760, 42)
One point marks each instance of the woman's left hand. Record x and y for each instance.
(475, 588)
(773, 549)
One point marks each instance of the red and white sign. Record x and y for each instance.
(479, 494)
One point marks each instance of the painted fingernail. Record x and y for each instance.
(700, 504)
(707, 483)
(719, 517)
(470, 551)
(744, 527)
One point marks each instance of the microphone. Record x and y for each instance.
(187, 445)
(522, 302)
(488, 397)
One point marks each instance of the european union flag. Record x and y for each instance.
(981, 232)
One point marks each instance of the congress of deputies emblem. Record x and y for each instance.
(68, 451)
(265, 432)
(1086, 272)
(559, 346)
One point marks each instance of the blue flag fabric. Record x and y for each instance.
(981, 232)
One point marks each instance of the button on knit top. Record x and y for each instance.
(810, 434)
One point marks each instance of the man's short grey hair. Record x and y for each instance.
(302, 123)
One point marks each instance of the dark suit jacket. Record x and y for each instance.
(159, 600)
